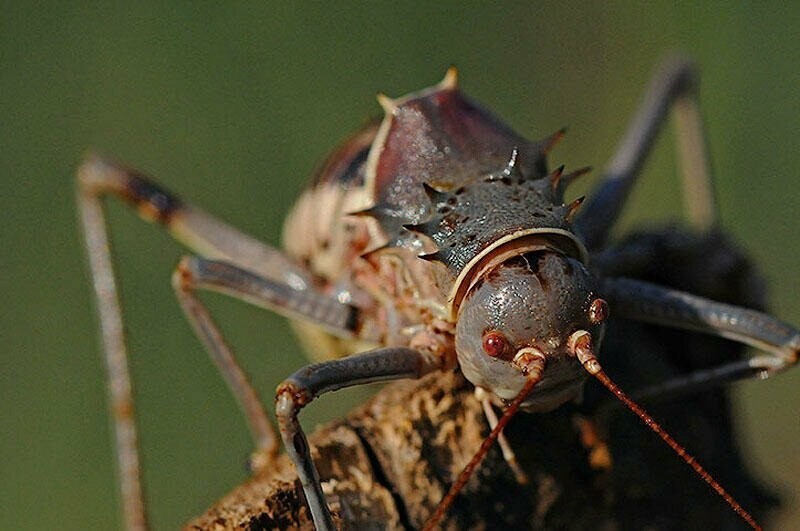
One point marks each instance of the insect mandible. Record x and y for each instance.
(438, 238)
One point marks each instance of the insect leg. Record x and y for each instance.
(505, 447)
(97, 178)
(195, 273)
(214, 275)
(116, 359)
(310, 382)
(198, 230)
(643, 301)
(674, 86)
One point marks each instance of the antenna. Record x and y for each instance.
(534, 369)
(580, 343)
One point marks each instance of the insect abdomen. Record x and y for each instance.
(318, 232)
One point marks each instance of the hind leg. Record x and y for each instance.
(197, 230)
(673, 87)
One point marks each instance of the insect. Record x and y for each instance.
(437, 239)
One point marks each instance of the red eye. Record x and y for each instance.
(494, 343)
(598, 311)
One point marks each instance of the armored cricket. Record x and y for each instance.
(437, 239)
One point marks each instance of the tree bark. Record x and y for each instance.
(389, 463)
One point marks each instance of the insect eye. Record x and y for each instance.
(494, 343)
(598, 311)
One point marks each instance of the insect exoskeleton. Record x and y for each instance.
(450, 234)
(529, 305)
(437, 238)
(405, 236)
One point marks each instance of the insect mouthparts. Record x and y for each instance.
(534, 367)
(440, 237)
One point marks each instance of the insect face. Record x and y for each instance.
(529, 305)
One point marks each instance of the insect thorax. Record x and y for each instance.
(405, 215)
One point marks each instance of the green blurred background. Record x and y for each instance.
(233, 106)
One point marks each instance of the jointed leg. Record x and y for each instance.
(194, 273)
(642, 301)
(185, 283)
(338, 318)
(505, 447)
(696, 171)
(116, 358)
(199, 231)
(310, 382)
(674, 86)
(189, 225)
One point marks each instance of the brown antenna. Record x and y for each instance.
(534, 368)
(581, 344)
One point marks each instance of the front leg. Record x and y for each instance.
(310, 382)
(643, 301)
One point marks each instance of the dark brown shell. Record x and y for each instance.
(444, 167)
(345, 166)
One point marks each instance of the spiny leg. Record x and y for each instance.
(310, 382)
(96, 178)
(673, 86)
(643, 301)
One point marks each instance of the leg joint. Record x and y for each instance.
(290, 397)
(184, 275)
(98, 176)
(681, 73)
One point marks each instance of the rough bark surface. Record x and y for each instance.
(387, 464)
(390, 462)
